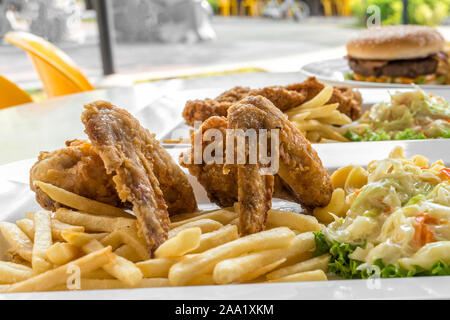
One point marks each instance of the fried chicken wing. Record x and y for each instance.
(299, 167)
(284, 98)
(76, 168)
(301, 176)
(142, 169)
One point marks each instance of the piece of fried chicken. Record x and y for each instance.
(143, 172)
(301, 176)
(76, 168)
(284, 98)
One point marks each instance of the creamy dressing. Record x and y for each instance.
(400, 216)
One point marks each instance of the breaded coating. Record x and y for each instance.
(136, 159)
(283, 97)
(76, 168)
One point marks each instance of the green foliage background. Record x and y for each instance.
(423, 12)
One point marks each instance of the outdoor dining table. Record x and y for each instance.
(27, 129)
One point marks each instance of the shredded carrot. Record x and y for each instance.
(423, 233)
(445, 172)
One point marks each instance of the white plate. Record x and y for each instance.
(16, 199)
(333, 71)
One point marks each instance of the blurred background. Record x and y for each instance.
(118, 43)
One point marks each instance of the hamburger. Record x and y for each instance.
(399, 54)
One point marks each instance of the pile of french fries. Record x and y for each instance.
(317, 120)
(96, 246)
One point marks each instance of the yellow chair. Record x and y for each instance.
(224, 7)
(327, 7)
(58, 72)
(252, 6)
(11, 95)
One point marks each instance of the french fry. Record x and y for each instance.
(96, 235)
(4, 287)
(52, 278)
(216, 238)
(61, 253)
(104, 284)
(224, 216)
(236, 269)
(42, 241)
(119, 267)
(156, 268)
(94, 223)
(113, 239)
(17, 239)
(182, 243)
(27, 226)
(12, 272)
(317, 263)
(203, 263)
(98, 274)
(189, 215)
(78, 202)
(262, 271)
(127, 252)
(202, 280)
(316, 275)
(130, 237)
(205, 225)
(296, 221)
(319, 100)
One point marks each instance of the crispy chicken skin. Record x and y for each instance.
(137, 162)
(299, 167)
(301, 176)
(284, 98)
(76, 168)
(221, 185)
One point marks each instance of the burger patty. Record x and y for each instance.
(394, 68)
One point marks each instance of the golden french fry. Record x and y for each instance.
(103, 284)
(156, 268)
(186, 216)
(320, 111)
(119, 267)
(12, 272)
(78, 202)
(262, 271)
(296, 221)
(52, 278)
(316, 275)
(98, 274)
(205, 225)
(216, 238)
(92, 222)
(128, 252)
(203, 263)
(319, 100)
(337, 206)
(224, 216)
(336, 117)
(130, 237)
(27, 226)
(113, 239)
(96, 235)
(317, 263)
(17, 239)
(184, 242)
(42, 241)
(236, 269)
(202, 280)
(62, 253)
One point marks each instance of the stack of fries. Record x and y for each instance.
(98, 247)
(318, 120)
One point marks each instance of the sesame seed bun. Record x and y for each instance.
(395, 43)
